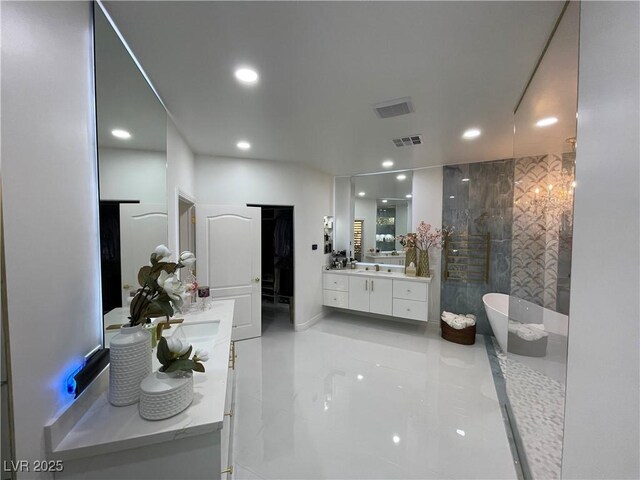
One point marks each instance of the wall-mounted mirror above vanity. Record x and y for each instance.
(382, 211)
(132, 166)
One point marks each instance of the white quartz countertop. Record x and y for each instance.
(381, 274)
(106, 429)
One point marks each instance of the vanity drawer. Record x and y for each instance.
(410, 309)
(410, 290)
(331, 281)
(333, 298)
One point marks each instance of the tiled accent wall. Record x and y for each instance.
(482, 204)
(537, 239)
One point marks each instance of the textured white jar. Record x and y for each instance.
(130, 356)
(164, 395)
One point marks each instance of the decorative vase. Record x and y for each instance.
(163, 395)
(423, 263)
(130, 354)
(410, 257)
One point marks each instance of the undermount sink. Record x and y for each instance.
(200, 332)
(374, 272)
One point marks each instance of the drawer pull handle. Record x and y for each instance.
(335, 299)
(408, 291)
(228, 470)
(408, 309)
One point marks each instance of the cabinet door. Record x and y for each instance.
(380, 296)
(359, 293)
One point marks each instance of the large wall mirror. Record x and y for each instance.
(382, 211)
(132, 166)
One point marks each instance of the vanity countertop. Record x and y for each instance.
(106, 429)
(381, 274)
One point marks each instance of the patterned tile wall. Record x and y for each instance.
(483, 204)
(536, 243)
(530, 251)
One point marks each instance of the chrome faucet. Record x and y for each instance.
(377, 267)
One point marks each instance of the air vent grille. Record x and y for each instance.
(394, 108)
(408, 141)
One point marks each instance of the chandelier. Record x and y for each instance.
(555, 201)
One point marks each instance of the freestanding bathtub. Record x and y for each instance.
(501, 307)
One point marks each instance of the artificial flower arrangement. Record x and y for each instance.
(162, 292)
(173, 353)
(425, 239)
(408, 241)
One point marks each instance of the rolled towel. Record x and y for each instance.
(458, 321)
(528, 332)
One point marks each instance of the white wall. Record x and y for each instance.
(180, 179)
(602, 397)
(239, 182)
(50, 207)
(127, 174)
(365, 209)
(427, 206)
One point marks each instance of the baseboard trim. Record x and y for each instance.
(312, 321)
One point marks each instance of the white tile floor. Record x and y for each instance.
(355, 397)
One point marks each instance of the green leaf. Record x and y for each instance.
(143, 274)
(186, 365)
(163, 353)
(198, 367)
(186, 355)
(164, 307)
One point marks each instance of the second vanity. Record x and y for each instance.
(383, 292)
(94, 439)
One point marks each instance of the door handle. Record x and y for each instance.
(257, 279)
(366, 285)
(126, 286)
(372, 285)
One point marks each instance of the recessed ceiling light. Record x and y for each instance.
(387, 163)
(385, 201)
(243, 145)
(545, 122)
(460, 432)
(247, 76)
(471, 133)
(361, 194)
(401, 177)
(122, 134)
(396, 439)
(408, 195)
(466, 179)
(360, 377)
(452, 196)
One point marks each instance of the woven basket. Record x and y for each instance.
(465, 336)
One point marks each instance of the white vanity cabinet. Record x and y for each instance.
(372, 295)
(391, 294)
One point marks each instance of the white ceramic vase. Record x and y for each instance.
(130, 356)
(163, 395)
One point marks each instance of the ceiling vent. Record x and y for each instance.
(408, 141)
(394, 108)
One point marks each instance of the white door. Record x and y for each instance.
(381, 296)
(143, 226)
(359, 294)
(228, 243)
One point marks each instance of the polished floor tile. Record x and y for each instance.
(356, 397)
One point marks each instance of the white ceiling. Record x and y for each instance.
(553, 92)
(323, 65)
(384, 185)
(124, 99)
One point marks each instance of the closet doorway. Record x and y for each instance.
(277, 267)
